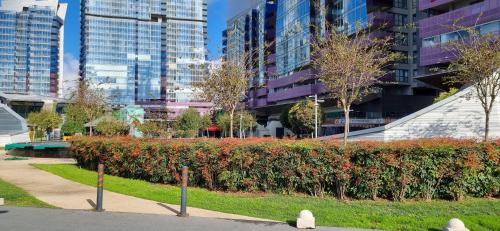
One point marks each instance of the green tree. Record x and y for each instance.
(45, 121)
(33, 121)
(284, 119)
(226, 87)
(72, 127)
(188, 123)
(153, 129)
(244, 121)
(74, 120)
(301, 117)
(206, 122)
(149, 129)
(223, 122)
(446, 94)
(88, 101)
(110, 126)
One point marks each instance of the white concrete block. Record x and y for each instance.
(455, 225)
(2, 201)
(306, 220)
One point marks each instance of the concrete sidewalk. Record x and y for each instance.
(67, 194)
(31, 219)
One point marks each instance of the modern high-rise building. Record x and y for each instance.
(32, 47)
(250, 35)
(290, 78)
(145, 52)
(438, 26)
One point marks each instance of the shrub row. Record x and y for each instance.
(445, 168)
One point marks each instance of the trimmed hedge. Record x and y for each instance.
(438, 168)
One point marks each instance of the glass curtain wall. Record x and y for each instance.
(144, 51)
(29, 51)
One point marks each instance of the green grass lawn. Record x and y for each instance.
(17, 197)
(478, 214)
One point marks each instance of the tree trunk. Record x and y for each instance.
(90, 131)
(487, 125)
(346, 125)
(231, 123)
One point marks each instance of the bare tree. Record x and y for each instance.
(90, 101)
(350, 66)
(226, 87)
(477, 64)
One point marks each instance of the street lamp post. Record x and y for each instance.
(316, 106)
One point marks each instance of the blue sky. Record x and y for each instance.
(217, 10)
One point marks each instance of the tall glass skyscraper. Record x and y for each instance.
(146, 52)
(31, 46)
(297, 22)
(248, 35)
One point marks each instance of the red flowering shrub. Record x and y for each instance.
(442, 168)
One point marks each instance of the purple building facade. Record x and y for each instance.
(289, 78)
(441, 22)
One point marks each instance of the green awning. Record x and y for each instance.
(17, 146)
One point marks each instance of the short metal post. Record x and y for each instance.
(100, 181)
(183, 212)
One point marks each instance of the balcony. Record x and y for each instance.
(479, 13)
(261, 92)
(291, 93)
(256, 102)
(295, 92)
(427, 4)
(434, 55)
(293, 78)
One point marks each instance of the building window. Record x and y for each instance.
(400, 4)
(431, 41)
(415, 38)
(415, 57)
(401, 75)
(400, 20)
(491, 27)
(414, 4)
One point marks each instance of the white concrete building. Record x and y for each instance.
(458, 116)
(13, 127)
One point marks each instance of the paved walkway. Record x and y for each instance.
(67, 194)
(30, 219)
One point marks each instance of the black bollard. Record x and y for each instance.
(183, 212)
(100, 181)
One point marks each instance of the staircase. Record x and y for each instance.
(13, 128)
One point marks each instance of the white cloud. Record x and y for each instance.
(71, 74)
